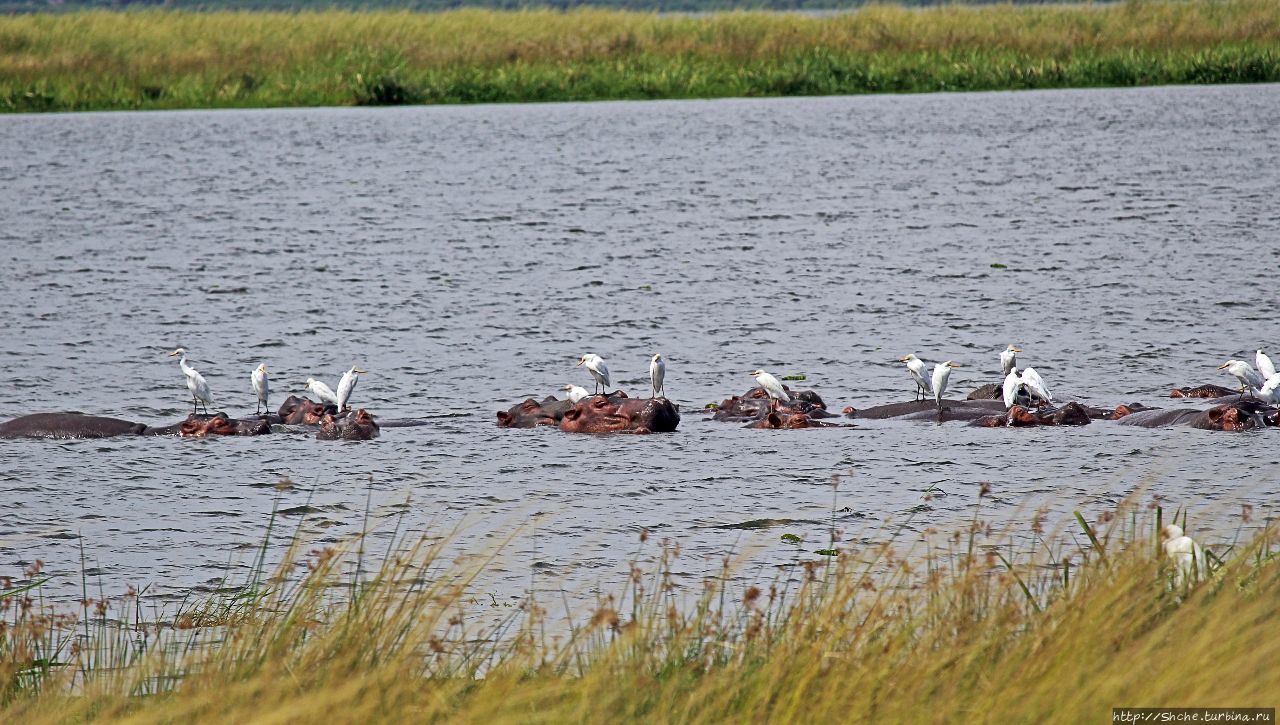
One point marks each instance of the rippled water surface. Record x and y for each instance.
(467, 256)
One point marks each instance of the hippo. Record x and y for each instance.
(618, 413)
(75, 425)
(357, 426)
(755, 405)
(1235, 416)
(1203, 391)
(1020, 416)
(68, 425)
(303, 411)
(531, 413)
(990, 391)
(782, 418)
(220, 424)
(967, 410)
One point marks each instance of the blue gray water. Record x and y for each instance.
(466, 256)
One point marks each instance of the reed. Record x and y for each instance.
(963, 627)
(163, 59)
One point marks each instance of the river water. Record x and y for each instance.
(466, 256)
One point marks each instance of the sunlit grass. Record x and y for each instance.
(159, 59)
(962, 627)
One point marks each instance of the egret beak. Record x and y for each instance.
(1017, 349)
(361, 372)
(578, 364)
(954, 364)
(903, 358)
(175, 352)
(264, 367)
(1223, 365)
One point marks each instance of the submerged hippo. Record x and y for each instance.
(303, 411)
(755, 405)
(1203, 391)
(1020, 416)
(966, 410)
(782, 419)
(1235, 416)
(614, 414)
(202, 426)
(75, 425)
(357, 426)
(68, 425)
(531, 413)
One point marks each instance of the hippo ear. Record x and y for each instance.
(775, 421)
(574, 413)
(504, 419)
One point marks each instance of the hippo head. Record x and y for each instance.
(1237, 416)
(216, 425)
(303, 411)
(600, 414)
(357, 426)
(1020, 416)
(528, 414)
(252, 427)
(1070, 414)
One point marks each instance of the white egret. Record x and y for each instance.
(1035, 385)
(657, 371)
(1244, 372)
(1009, 359)
(1188, 556)
(771, 385)
(1268, 390)
(1265, 366)
(576, 393)
(322, 391)
(346, 385)
(941, 374)
(1012, 382)
(595, 365)
(915, 366)
(195, 382)
(260, 387)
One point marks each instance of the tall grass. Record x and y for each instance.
(961, 629)
(159, 59)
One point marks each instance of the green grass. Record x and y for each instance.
(158, 59)
(963, 627)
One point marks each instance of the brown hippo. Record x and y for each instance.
(303, 411)
(1019, 416)
(618, 413)
(220, 424)
(531, 413)
(781, 418)
(1234, 416)
(1203, 391)
(755, 404)
(357, 426)
(68, 425)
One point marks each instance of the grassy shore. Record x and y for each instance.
(969, 629)
(158, 59)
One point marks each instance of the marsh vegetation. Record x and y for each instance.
(951, 626)
(180, 59)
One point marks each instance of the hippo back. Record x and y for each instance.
(68, 425)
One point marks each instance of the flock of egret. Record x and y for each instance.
(600, 373)
(1262, 382)
(202, 397)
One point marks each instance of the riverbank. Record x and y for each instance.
(962, 625)
(156, 59)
